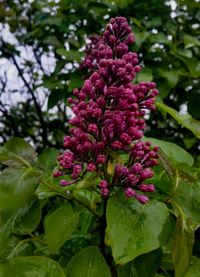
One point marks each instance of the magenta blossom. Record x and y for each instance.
(109, 117)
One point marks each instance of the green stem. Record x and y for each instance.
(68, 197)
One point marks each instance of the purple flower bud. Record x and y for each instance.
(136, 168)
(87, 146)
(116, 145)
(101, 101)
(76, 92)
(103, 184)
(91, 167)
(104, 192)
(129, 192)
(143, 199)
(137, 68)
(101, 159)
(57, 173)
(125, 139)
(130, 39)
(132, 179)
(122, 170)
(151, 188)
(98, 147)
(146, 174)
(65, 183)
(143, 187)
(77, 169)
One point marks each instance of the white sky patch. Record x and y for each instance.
(183, 109)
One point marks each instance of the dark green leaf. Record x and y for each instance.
(173, 151)
(55, 96)
(193, 105)
(25, 247)
(31, 266)
(71, 55)
(59, 225)
(184, 119)
(17, 152)
(88, 262)
(194, 269)
(89, 181)
(88, 197)
(76, 81)
(132, 228)
(145, 265)
(193, 67)
(190, 41)
(17, 188)
(145, 75)
(140, 37)
(47, 159)
(5, 236)
(187, 195)
(170, 75)
(184, 239)
(29, 218)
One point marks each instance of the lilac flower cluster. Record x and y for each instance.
(109, 115)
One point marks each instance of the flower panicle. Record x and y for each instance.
(109, 116)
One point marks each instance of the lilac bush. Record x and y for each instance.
(95, 222)
(109, 117)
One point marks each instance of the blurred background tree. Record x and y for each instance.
(41, 46)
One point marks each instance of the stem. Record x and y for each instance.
(37, 106)
(68, 197)
(102, 246)
(103, 225)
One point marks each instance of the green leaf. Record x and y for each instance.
(31, 266)
(193, 67)
(90, 181)
(49, 186)
(55, 96)
(132, 228)
(70, 56)
(5, 235)
(190, 41)
(25, 247)
(17, 152)
(170, 75)
(184, 119)
(187, 195)
(145, 75)
(28, 219)
(17, 188)
(47, 159)
(184, 239)
(145, 265)
(88, 262)
(193, 105)
(87, 197)
(194, 269)
(164, 89)
(140, 37)
(160, 38)
(172, 151)
(59, 225)
(186, 53)
(76, 81)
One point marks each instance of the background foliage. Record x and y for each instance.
(35, 235)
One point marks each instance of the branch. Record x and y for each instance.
(37, 106)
